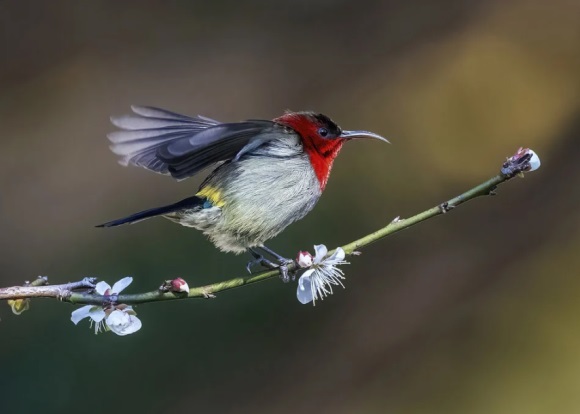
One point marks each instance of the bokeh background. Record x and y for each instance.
(474, 312)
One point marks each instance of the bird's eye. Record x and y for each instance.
(323, 132)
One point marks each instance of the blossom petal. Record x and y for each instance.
(534, 161)
(121, 284)
(304, 291)
(102, 287)
(321, 251)
(97, 314)
(337, 256)
(122, 323)
(81, 313)
(117, 318)
(134, 325)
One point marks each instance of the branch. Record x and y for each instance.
(523, 160)
(37, 290)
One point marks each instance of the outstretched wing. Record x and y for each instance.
(170, 143)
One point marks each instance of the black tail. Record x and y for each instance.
(187, 203)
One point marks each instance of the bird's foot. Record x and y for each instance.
(282, 265)
(285, 273)
(262, 261)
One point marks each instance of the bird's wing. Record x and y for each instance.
(170, 143)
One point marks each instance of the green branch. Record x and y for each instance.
(485, 188)
(523, 160)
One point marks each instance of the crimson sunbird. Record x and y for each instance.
(268, 174)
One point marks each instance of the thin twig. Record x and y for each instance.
(514, 165)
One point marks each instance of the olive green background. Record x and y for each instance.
(473, 312)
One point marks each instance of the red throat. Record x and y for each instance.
(322, 155)
(321, 151)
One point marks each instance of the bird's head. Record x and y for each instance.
(322, 139)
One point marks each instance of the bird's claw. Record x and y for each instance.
(262, 261)
(285, 274)
(282, 267)
(250, 264)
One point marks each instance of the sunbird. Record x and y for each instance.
(267, 175)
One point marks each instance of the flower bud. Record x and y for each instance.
(179, 285)
(304, 259)
(534, 161)
(19, 305)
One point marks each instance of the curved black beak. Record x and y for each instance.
(362, 134)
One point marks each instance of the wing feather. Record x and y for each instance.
(170, 143)
(152, 112)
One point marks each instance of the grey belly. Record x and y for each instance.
(262, 196)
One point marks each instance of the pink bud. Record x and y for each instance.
(304, 259)
(179, 285)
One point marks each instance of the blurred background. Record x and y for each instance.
(474, 312)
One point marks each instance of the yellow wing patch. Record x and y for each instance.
(212, 194)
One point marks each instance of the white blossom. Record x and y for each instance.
(119, 319)
(123, 321)
(316, 282)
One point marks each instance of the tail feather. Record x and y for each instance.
(188, 203)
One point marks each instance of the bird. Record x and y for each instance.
(266, 174)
